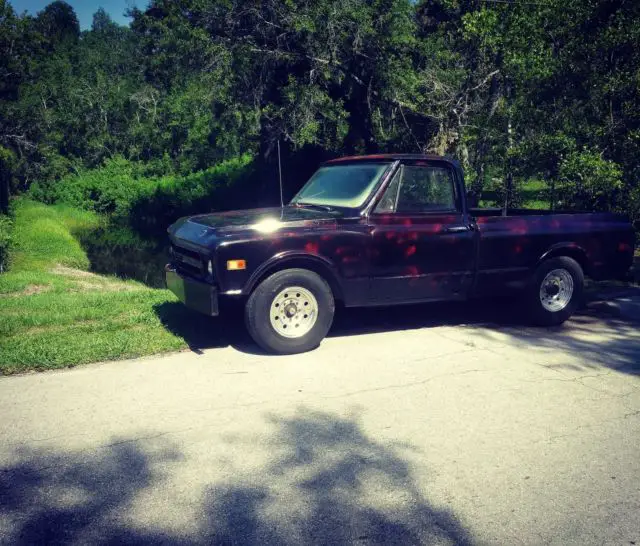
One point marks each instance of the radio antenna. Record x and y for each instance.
(280, 176)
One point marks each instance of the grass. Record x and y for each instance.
(57, 314)
(532, 192)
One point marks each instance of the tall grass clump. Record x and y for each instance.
(6, 226)
(44, 236)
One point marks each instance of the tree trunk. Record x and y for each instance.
(482, 148)
(509, 181)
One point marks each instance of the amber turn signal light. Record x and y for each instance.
(236, 265)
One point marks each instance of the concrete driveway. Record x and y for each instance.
(428, 425)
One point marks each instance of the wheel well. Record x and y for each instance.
(303, 263)
(575, 253)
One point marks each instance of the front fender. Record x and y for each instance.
(297, 259)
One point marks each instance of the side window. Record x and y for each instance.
(419, 189)
(390, 198)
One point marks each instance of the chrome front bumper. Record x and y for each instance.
(197, 295)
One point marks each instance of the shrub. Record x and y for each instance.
(5, 240)
(123, 190)
(633, 203)
(107, 190)
(156, 207)
(587, 181)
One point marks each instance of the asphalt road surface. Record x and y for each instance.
(427, 425)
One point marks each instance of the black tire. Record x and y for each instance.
(258, 308)
(540, 314)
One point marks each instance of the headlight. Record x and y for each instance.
(210, 267)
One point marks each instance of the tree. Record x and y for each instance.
(58, 24)
(515, 90)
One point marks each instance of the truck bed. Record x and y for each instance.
(601, 243)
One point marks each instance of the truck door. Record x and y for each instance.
(423, 245)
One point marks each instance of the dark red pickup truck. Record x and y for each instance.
(383, 230)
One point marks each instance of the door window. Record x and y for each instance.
(419, 190)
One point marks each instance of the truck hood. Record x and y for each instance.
(204, 229)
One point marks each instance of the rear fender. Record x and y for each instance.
(571, 250)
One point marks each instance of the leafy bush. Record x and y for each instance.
(107, 190)
(172, 197)
(5, 240)
(587, 181)
(633, 204)
(123, 190)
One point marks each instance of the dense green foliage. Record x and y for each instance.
(136, 207)
(515, 90)
(123, 190)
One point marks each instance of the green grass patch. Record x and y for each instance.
(531, 194)
(534, 194)
(43, 236)
(57, 314)
(45, 331)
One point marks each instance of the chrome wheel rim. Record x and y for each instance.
(294, 311)
(556, 290)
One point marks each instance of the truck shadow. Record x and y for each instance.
(596, 333)
(323, 481)
(369, 320)
(201, 332)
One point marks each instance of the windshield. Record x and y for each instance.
(341, 185)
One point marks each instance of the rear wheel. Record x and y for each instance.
(290, 312)
(556, 291)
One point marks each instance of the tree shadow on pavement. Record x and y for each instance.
(56, 498)
(592, 339)
(325, 482)
(331, 484)
(597, 334)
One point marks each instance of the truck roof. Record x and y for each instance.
(388, 157)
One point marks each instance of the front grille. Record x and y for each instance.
(187, 261)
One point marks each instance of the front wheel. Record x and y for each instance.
(290, 312)
(556, 291)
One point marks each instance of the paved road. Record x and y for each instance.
(430, 425)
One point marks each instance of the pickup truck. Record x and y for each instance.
(385, 230)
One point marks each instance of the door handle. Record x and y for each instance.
(457, 229)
